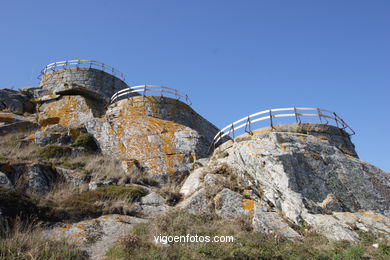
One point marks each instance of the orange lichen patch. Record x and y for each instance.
(74, 133)
(149, 138)
(49, 121)
(248, 205)
(80, 226)
(259, 132)
(283, 147)
(372, 215)
(346, 214)
(69, 109)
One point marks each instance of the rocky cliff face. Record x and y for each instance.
(305, 173)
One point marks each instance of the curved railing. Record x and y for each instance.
(82, 64)
(322, 114)
(142, 90)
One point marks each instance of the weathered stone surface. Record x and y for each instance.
(271, 223)
(192, 183)
(329, 227)
(80, 81)
(365, 221)
(213, 179)
(306, 176)
(95, 236)
(198, 203)
(56, 135)
(69, 111)
(153, 211)
(157, 132)
(32, 178)
(5, 182)
(153, 205)
(13, 123)
(15, 102)
(71, 176)
(229, 204)
(153, 199)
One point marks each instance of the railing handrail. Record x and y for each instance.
(249, 120)
(83, 64)
(142, 89)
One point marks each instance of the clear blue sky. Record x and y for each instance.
(233, 58)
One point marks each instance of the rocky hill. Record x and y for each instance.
(104, 176)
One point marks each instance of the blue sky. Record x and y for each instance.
(233, 58)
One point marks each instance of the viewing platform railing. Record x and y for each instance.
(82, 64)
(143, 90)
(322, 114)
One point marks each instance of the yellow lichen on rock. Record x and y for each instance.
(248, 205)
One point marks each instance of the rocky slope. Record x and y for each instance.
(91, 171)
(296, 174)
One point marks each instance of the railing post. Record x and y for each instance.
(248, 123)
(335, 119)
(144, 90)
(270, 118)
(297, 118)
(319, 115)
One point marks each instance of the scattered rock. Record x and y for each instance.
(95, 236)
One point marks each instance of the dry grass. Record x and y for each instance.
(139, 244)
(14, 147)
(26, 242)
(103, 168)
(171, 193)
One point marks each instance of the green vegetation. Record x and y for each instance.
(87, 141)
(139, 244)
(13, 204)
(54, 151)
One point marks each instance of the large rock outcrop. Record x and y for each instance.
(309, 174)
(163, 134)
(15, 102)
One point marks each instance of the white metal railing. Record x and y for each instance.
(270, 114)
(144, 89)
(82, 64)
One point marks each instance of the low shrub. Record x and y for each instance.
(87, 141)
(54, 151)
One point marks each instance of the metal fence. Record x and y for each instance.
(143, 90)
(323, 115)
(82, 64)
